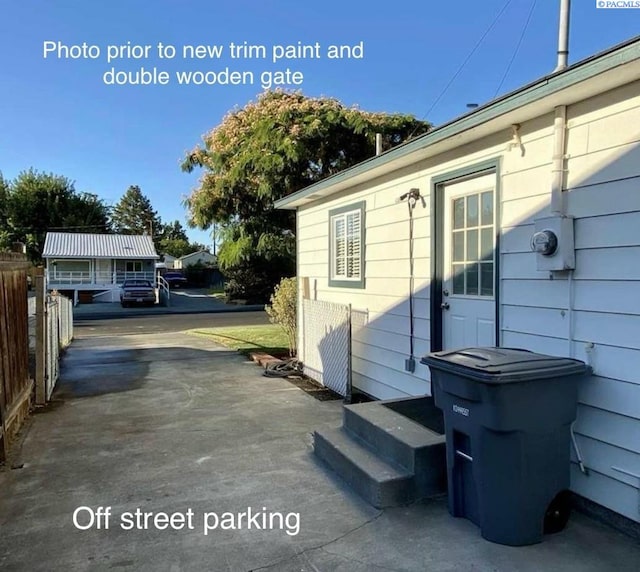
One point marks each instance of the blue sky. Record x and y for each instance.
(57, 115)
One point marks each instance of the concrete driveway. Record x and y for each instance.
(167, 423)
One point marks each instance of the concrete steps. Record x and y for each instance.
(385, 456)
(380, 483)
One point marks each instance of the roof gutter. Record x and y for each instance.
(548, 85)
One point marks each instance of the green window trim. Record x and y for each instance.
(347, 246)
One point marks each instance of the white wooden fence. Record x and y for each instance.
(54, 332)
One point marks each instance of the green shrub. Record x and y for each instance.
(283, 307)
(255, 279)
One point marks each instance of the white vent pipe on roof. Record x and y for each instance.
(563, 35)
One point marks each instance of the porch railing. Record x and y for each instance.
(97, 278)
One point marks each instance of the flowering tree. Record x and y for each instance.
(269, 149)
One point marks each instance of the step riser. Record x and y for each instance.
(380, 495)
(430, 473)
(386, 444)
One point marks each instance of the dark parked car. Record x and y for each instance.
(137, 292)
(175, 279)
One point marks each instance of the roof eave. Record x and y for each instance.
(93, 256)
(581, 71)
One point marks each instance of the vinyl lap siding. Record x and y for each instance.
(381, 309)
(603, 193)
(381, 341)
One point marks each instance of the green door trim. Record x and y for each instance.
(437, 241)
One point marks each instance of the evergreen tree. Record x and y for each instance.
(5, 233)
(174, 231)
(174, 246)
(134, 215)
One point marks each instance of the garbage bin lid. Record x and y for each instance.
(503, 365)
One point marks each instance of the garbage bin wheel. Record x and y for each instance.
(558, 511)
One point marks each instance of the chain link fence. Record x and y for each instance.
(326, 347)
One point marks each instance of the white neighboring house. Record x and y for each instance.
(562, 153)
(202, 256)
(168, 262)
(97, 264)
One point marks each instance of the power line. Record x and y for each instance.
(85, 226)
(515, 52)
(464, 63)
(31, 228)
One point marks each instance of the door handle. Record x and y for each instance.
(444, 305)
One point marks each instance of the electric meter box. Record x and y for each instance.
(553, 243)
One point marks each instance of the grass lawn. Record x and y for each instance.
(217, 292)
(269, 338)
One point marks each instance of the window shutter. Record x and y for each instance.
(354, 245)
(340, 249)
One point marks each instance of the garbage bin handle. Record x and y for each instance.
(464, 455)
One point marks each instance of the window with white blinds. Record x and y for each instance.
(347, 245)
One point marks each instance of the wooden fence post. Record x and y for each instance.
(4, 438)
(15, 383)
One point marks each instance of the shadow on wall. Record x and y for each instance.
(578, 314)
(592, 313)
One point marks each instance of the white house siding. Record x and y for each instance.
(603, 184)
(381, 345)
(193, 258)
(604, 195)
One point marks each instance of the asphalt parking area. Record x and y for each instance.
(195, 461)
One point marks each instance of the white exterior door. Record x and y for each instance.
(469, 279)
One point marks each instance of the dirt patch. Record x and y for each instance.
(280, 366)
(314, 389)
(14, 460)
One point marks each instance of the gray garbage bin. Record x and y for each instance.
(507, 415)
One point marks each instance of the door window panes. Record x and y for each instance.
(486, 279)
(486, 243)
(472, 245)
(486, 202)
(471, 277)
(458, 213)
(472, 211)
(458, 246)
(458, 278)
